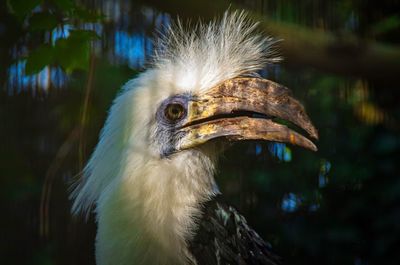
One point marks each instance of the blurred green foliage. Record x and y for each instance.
(22, 8)
(41, 18)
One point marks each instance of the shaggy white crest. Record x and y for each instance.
(146, 205)
(206, 54)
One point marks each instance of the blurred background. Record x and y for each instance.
(63, 61)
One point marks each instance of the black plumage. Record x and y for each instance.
(223, 237)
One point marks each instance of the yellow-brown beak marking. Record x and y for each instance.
(244, 109)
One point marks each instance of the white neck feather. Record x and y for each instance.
(147, 216)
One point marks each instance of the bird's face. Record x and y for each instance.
(236, 109)
(161, 132)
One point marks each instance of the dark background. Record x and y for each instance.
(63, 61)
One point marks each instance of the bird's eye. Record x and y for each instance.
(174, 112)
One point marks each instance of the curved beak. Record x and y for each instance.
(246, 109)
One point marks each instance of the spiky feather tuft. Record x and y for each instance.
(201, 56)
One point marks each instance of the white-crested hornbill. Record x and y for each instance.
(151, 176)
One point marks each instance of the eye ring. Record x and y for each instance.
(174, 112)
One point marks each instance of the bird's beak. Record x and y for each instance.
(245, 109)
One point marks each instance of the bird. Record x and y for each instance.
(151, 179)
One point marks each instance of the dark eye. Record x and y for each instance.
(174, 112)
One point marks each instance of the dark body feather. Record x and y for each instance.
(223, 237)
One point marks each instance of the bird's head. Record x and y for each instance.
(201, 90)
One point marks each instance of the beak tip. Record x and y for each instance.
(309, 145)
(314, 133)
(314, 148)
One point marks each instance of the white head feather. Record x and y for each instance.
(146, 204)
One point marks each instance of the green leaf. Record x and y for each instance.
(73, 52)
(22, 7)
(88, 15)
(42, 21)
(38, 59)
(86, 35)
(65, 5)
(386, 25)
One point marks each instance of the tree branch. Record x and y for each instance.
(341, 54)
